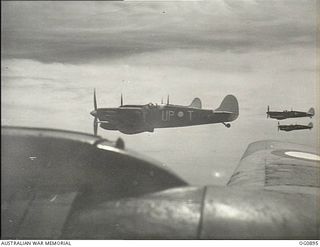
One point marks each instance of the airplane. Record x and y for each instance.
(289, 114)
(133, 119)
(58, 184)
(294, 127)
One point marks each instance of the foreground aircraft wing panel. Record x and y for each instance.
(171, 214)
(66, 185)
(47, 174)
(279, 166)
(235, 213)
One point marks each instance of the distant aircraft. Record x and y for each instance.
(294, 127)
(58, 184)
(133, 119)
(289, 114)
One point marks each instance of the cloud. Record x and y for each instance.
(264, 52)
(78, 32)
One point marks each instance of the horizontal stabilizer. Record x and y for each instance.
(196, 103)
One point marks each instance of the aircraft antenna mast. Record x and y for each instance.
(121, 100)
(168, 99)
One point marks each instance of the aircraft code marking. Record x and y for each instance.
(168, 114)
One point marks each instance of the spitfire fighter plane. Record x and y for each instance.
(294, 127)
(280, 115)
(133, 119)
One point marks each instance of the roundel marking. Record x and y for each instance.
(296, 154)
(180, 114)
(303, 155)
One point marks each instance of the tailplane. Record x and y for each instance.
(230, 105)
(196, 103)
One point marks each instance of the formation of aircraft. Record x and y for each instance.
(294, 127)
(280, 115)
(291, 114)
(133, 119)
(60, 184)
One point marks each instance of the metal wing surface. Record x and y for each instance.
(274, 165)
(48, 175)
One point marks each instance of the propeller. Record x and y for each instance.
(95, 126)
(94, 113)
(278, 126)
(268, 108)
(94, 100)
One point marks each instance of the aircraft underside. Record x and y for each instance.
(181, 118)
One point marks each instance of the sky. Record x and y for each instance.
(263, 52)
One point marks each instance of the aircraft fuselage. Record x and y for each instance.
(294, 127)
(288, 114)
(136, 119)
(133, 119)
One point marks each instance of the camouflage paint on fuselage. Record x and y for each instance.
(132, 119)
(168, 116)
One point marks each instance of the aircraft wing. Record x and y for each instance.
(47, 175)
(67, 185)
(274, 165)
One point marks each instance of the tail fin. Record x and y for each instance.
(310, 125)
(311, 111)
(230, 104)
(196, 103)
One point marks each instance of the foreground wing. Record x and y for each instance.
(280, 166)
(48, 175)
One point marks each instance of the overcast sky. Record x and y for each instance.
(78, 32)
(263, 52)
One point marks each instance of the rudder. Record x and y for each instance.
(311, 111)
(230, 104)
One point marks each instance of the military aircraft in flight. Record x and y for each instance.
(58, 184)
(294, 127)
(280, 115)
(133, 119)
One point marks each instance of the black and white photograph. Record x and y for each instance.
(160, 120)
